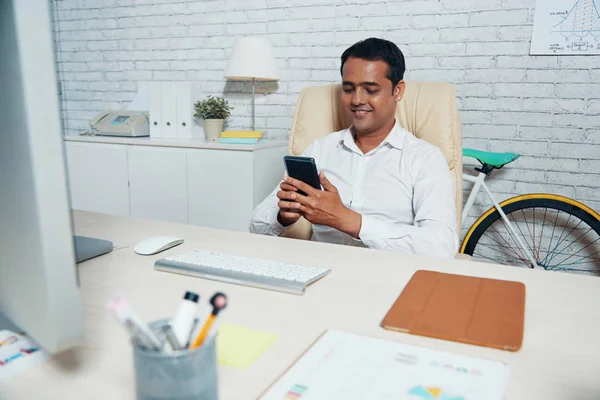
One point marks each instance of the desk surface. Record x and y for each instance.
(560, 358)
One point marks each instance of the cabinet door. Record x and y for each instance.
(157, 183)
(268, 171)
(98, 177)
(220, 188)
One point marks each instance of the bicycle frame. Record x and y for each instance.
(478, 184)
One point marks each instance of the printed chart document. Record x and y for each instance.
(343, 365)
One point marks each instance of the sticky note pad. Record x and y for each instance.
(239, 347)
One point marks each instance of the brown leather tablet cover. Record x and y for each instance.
(481, 311)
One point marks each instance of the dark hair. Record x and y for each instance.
(374, 49)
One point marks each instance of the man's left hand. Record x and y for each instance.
(325, 207)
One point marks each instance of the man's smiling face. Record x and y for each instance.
(368, 95)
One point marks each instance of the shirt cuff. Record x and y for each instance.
(276, 228)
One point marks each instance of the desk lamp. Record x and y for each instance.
(252, 60)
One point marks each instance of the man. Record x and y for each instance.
(382, 187)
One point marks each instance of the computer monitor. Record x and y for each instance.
(38, 277)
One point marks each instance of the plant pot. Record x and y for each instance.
(213, 129)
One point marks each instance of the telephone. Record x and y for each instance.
(120, 123)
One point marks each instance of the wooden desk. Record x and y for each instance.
(560, 358)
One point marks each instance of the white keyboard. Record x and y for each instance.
(283, 277)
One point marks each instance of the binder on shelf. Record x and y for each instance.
(168, 110)
(183, 101)
(154, 109)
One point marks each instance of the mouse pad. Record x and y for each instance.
(480, 311)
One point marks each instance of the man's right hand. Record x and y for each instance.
(289, 210)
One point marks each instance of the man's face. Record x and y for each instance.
(368, 95)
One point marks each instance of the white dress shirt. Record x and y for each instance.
(402, 189)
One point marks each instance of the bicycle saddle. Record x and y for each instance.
(497, 160)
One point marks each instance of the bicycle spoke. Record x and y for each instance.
(582, 257)
(542, 234)
(508, 244)
(580, 261)
(527, 244)
(551, 237)
(580, 250)
(529, 230)
(563, 239)
(562, 251)
(560, 238)
(498, 251)
(576, 270)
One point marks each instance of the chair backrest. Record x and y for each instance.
(428, 110)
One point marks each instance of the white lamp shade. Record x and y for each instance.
(252, 58)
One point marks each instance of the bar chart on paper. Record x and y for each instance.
(431, 393)
(344, 366)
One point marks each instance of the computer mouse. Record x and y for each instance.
(156, 244)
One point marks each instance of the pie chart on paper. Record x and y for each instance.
(431, 393)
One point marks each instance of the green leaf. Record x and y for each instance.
(212, 107)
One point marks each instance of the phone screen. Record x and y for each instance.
(303, 169)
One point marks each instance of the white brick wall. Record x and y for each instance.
(547, 108)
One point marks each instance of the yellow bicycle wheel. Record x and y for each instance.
(562, 234)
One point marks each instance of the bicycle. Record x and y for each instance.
(506, 233)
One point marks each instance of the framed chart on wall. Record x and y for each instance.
(566, 27)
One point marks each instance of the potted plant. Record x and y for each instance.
(214, 110)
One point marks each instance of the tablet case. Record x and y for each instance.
(480, 311)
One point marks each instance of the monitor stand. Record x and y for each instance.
(87, 247)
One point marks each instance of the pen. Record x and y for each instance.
(218, 302)
(133, 324)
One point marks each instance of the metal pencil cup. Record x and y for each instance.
(182, 375)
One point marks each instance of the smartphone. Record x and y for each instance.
(303, 169)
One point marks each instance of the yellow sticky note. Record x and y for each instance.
(239, 347)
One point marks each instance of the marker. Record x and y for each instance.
(182, 323)
(218, 302)
(133, 324)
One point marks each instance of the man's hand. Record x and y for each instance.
(289, 211)
(323, 207)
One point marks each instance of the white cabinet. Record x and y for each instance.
(220, 189)
(98, 177)
(157, 183)
(184, 181)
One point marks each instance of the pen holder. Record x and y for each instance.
(182, 374)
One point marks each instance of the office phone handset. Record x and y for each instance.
(120, 123)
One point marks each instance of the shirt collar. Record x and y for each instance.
(395, 138)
